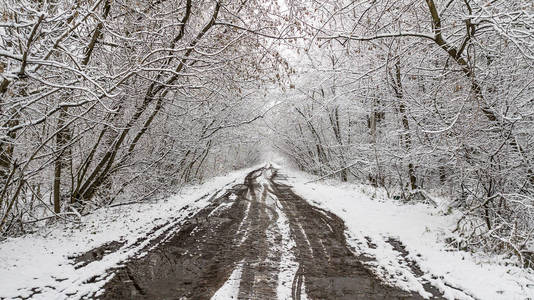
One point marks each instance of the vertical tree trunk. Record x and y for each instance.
(62, 138)
(334, 122)
(406, 136)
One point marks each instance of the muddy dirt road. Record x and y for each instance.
(258, 241)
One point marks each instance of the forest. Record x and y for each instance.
(107, 102)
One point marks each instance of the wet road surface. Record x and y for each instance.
(258, 241)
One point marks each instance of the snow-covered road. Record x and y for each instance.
(271, 237)
(258, 241)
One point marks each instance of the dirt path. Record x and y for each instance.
(258, 241)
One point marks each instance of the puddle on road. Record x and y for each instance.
(95, 254)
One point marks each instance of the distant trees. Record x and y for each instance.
(103, 99)
(435, 95)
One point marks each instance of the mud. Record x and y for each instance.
(330, 269)
(270, 232)
(95, 254)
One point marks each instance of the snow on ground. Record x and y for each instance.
(368, 214)
(41, 264)
(230, 289)
(288, 263)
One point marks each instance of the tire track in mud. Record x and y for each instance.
(191, 264)
(328, 267)
(260, 266)
(280, 246)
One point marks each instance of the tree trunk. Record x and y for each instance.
(62, 138)
(406, 136)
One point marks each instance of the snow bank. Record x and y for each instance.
(40, 265)
(372, 219)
